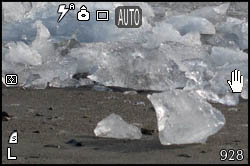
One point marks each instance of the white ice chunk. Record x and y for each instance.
(209, 79)
(14, 68)
(15, 11)
(198, 72)
(180, 52)
(234, 20)
(162, 32)
(227, 98)
(69, 82)
(57, 83)
(87, 57)
(114, 126)
(24, 74)
(185, 24)
(235, 30)
(212, 13)
(222, 40)
(191, 39)
(220, 56)
(85, 81)
(43, 33)
(166, 32)
(21, 53)
(183, 117)
(63, 70)
(131, 66)
(42, 43)
(33, 54)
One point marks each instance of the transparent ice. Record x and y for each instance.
(235, 30)
(209, 76)
(231, 33)
(162, 32)
(214, 14)
(183, 117)
(114, 126)
(185, 24)
(132, 66)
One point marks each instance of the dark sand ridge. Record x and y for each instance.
(56, 126)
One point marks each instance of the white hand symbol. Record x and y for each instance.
(236, 83)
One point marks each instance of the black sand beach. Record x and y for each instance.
(56, 126)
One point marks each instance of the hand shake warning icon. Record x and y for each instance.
(236, 83)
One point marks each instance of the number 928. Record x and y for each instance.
(231, 155)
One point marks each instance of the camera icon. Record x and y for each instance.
(11, 79)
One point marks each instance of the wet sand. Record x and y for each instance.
(56, 126)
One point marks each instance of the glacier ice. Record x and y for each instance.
(163, 32)
(38, 59)
(166, 52)
(114, 126)
(42, 42)
(185, 24)
(127, 64)
(160, 33)
(235, 30)
(213, 14)
(39, 45)
(64, 70)
(179, 122)
(31, 54)
(132, 66)
(20, 52)
(20, 8)
(180, 52)
(220, 56)
(221, 40)
(218, 90)
(69, 82)
(191, 39)
(208, 77)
